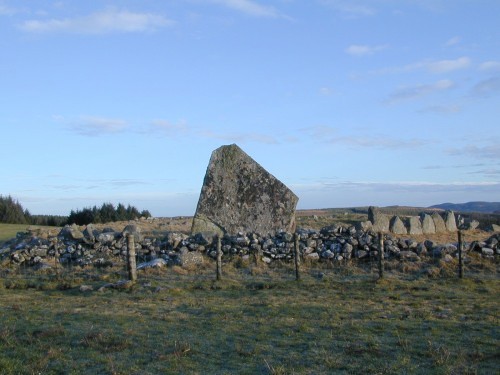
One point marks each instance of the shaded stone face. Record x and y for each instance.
(239, 195)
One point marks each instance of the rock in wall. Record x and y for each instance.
(239, 195)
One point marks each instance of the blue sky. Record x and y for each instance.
(349, 103)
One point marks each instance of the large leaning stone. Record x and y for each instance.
(239, 195)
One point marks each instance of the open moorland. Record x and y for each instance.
(339, 318)
(256, 320)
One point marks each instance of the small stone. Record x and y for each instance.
(86, 288)
(487, 251)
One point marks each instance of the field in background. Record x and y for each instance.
(257, 320)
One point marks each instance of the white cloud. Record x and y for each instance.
(6, 11)
(325, 91)
(490, 66)
(331, 135)
(487, 88)
(440, 66)
(364, 50)
(251, 8)
(95, 126)
(453, 41)
(442, 109)
(108, 21)
(239, 137)
(478, 152)
(436, 67)
(418, 91)
(168, 128)
(349, 8)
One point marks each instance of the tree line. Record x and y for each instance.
(12, 212)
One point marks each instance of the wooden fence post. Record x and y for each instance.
(297, 256)
(219, 258)
(460, 261)
(131, 265)
(380, 255)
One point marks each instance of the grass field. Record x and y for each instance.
(255, 321)
(8, 231)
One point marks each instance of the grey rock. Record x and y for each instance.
(90, 232)
(380, 221)
(86, 288)
(133, 230)
(473, 224)
(239, 195)
(106, 237)
(415, 226)
(487, 251)
(439, 223)
(360, 254)
(327, 254)
(428, 226)
(155, 263)
(312, 256)
(71, 232)
(190, 258)
(450, 221)
(408, 255)
(397, 226)
(266, 260)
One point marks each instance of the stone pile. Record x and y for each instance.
(107, 247)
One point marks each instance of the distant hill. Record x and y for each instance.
(483, 207)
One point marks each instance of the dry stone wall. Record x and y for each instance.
(90, 247)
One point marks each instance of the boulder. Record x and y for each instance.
(428, 226)
(450, 221)
(397, 226)
(134, 230)
(439, 223)
(380, 221)
(155, 263)
(71, 232)
(189, 258)
(415, 225)
(239, 195)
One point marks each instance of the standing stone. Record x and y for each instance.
(439, 223)
(415, 225)
(428, 226)
(239, 195)
(379, 220)
(397, 226)
(451, 223)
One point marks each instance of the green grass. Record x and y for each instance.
(8, 231)
(255, 321)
